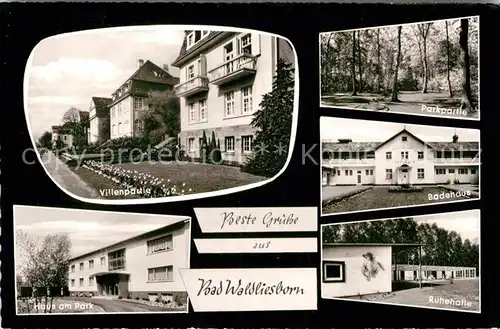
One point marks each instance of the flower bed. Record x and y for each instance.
(162, 304)
(142, 183)
(401, 189)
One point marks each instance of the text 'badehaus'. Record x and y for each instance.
(223, 77)
(403, 159)
(142, 267)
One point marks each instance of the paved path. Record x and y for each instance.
(118, 305)
(334, 192)
(66, 178)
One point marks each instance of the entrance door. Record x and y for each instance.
(325, 178)
(402, 275)
(404, 176)
(359, 177)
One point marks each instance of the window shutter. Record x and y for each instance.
(203, 66)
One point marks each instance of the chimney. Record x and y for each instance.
(140, 62)
(165, 67)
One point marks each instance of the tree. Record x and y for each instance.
(379, 66)
(45, 140)
(273, 124)
(360, 69)
(423, 30)
(45, 264)
(353, 64)
(78, 127)
(394, 97)
(448, 64)
(466, 102)
(162, 118)
(105, 130)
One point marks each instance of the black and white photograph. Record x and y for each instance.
(161, 111)
(430, 261)
(373, 165)
(82, 261)
(426, 68)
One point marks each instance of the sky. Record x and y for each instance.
(88, 230)
(465, 223)
(378, 131)
(69, 69)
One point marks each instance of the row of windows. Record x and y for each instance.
(404, 155)
(118, 109)
(229, 144)
(461, 171)
(157, 274)
(116, 259)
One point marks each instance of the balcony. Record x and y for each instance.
(345, 162)
(192, 86)
(456, 161)
(234, 69)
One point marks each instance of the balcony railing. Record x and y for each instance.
(192, 86)
(348, 161)
(236, 68)
(456, 160)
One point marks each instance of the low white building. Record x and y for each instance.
(143, 266)
(402, 159)
(62, 134)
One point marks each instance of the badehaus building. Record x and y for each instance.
(140, 267)
(400, 160)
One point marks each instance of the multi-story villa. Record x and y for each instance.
(130, 100)
(63, 134)
(224, 76)
(402, 159)
(143, 266)
(99, 110)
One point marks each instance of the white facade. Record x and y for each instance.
(122, 117)
(403, 159)
(221, 86)
(63, 136)
(134, 273)
(404, 272)
(354, 282)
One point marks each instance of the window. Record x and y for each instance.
(139, 124)
(72, 268)
(420, 173)
(347, 172)
(190, 40)
(420, 155)
(246, 142)
(388, 155)
(369, 172)
(119, 128)
(228, 52)
(246, 99)
(338, 172)
(229, 143)
(190, 72)
(333, 271)
(191, 144)
(164, 273)
(91, 281)
(463, 171)
(473, 171)
(138, 103)
(404, 155)
(116, 260)
(81, 266)
(388, 174)
(246, 44)
(119, 109)
(203, 110)
(91, 263)
(65, 137)
(229, 100)
(451, 171)
(350, 172)
(404, 138)
(204, 33)
(440, 171)
(162, 244)
(192, 112)
(81, 282)
(113, 130)
(103, 260)
(72, 282)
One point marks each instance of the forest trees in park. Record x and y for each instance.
(431, 63)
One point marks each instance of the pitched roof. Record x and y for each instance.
(185, 52)
(399, 133)
(350, 147)
(101, 105)
(151, 72)
(83, 114)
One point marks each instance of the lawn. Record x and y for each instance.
(409, 102)
(379, 197)
(198, 177)
(466, 290)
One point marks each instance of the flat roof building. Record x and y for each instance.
(140, 267)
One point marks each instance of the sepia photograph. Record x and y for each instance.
(82, 261)
(161, 111)
(427, 68)
(430, 261)
(373, 165)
